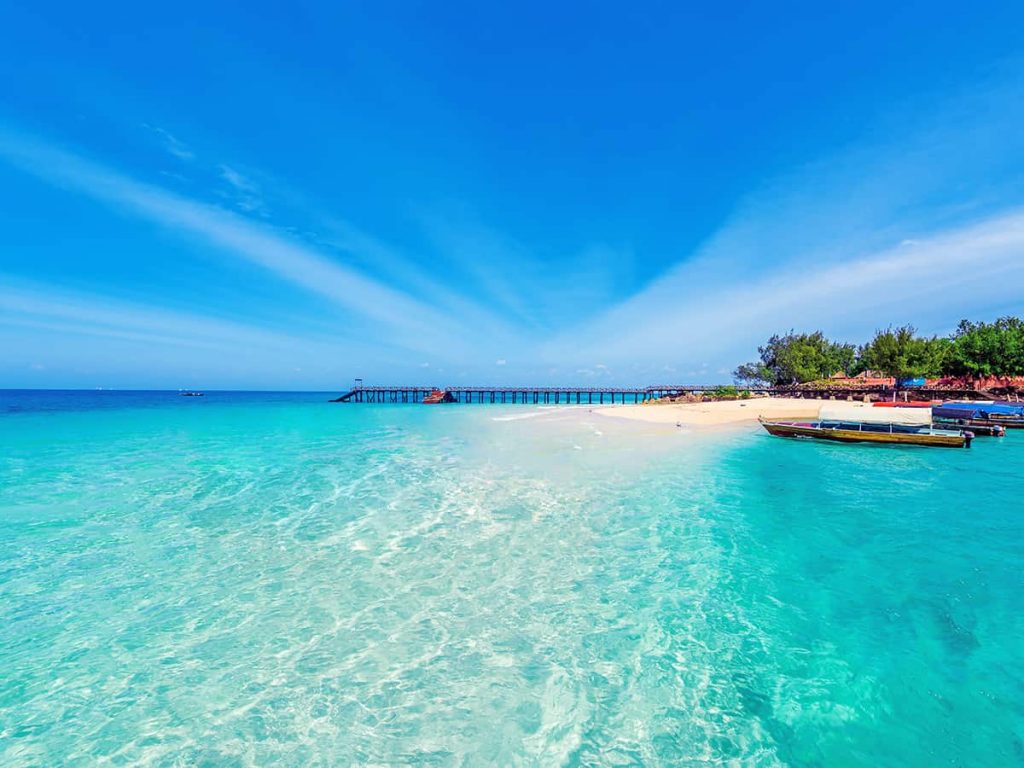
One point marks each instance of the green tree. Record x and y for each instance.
(988, 349)
(901, 353)
(752, 374)
(798, 357)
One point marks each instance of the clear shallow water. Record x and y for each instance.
(249, 579)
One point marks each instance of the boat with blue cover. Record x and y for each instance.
(966, 416)
(1007, 414)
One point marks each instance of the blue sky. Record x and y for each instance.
(212, 197)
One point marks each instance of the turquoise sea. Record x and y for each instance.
(268, 579)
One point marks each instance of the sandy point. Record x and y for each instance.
(710, 414)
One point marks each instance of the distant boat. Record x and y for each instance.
(438, 396)
(192, 394)
(910, 426)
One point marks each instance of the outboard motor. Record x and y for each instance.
(968, 436)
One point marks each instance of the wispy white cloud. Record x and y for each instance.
(45, 306)
(172, 144)
(237, 180)
(114, 342)
(245, 193)
(877, 233)
(408, 322)
(485, 259)
(419, 277)
(537, 288)
(975, 266)
(919, 222)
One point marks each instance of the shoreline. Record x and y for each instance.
(716, 414)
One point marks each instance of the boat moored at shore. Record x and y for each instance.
(869, 432)
(966, 417)
(1007, 415)
(866, 425)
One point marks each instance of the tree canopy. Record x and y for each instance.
(901, 353)
(795, 358)
(976, 349)
(751, 374)
(988, 349)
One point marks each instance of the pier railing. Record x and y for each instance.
(524, 395)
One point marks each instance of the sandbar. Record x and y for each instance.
(718, 413)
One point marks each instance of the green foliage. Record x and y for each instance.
(988, 349)
(725, 393)
(795, 358)
(977, 349)
(903, 354)
(752, 374)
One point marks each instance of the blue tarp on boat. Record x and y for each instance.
(957, 411)
(1019, 407)
(985, 409)
(1003, 409)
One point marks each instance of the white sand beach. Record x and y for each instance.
(711, 414)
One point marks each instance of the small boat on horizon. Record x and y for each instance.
(191, 394)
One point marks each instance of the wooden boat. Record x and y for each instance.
(979, 428)
(948, 417)
(1008, 415)
(1007, 422)
(870, 432)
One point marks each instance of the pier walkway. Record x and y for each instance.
(523, 395)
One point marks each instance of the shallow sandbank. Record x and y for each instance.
(711, 414)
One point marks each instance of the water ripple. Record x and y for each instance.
(294, 586)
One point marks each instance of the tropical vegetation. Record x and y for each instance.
(974, 350)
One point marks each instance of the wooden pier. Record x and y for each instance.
(620, 395)
(522, 395)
